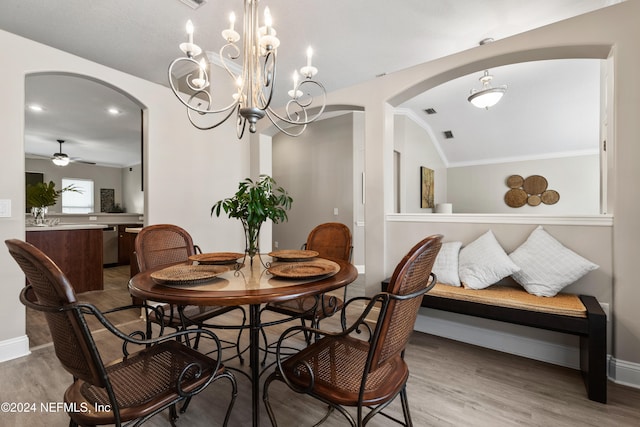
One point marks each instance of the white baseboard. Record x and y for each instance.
(624, 373)
(14, 348)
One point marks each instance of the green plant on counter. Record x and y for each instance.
(45, 194)
(253, 204)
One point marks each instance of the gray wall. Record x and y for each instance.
(316, 169)
(102, 177)
(481, 189)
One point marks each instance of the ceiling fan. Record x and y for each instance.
(61, 159)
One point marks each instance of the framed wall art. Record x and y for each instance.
(426, 187)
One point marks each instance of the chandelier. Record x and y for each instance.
(487, 96)
(254, 81)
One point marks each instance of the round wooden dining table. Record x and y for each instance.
(251, 285)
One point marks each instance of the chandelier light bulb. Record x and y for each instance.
(295, 93)
(190, 31)
(189, 48)
(268, 21)
(201, 82)
(232, 21)
(309, 56)
(309, 71)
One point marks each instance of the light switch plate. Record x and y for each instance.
(5, 208)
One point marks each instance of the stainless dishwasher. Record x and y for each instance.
(110, 245)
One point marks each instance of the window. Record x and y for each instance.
(77, 202)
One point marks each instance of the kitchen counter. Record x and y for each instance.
(67, 227)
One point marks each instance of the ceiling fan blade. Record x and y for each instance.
(79, 160)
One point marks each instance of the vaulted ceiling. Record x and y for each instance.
(353, 41)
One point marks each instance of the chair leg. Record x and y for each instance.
(234, 394)
(173, 416)
(265, 399)
(185, 405)
(405, 406)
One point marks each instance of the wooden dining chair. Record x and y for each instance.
(165, 244)
(347, 369)
(332, 240)
(132, 389)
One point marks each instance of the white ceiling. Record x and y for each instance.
(353, 41)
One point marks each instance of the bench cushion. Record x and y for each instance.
(506, 296)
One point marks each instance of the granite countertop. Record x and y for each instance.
(62, 227)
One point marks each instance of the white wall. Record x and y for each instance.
(481, 189)
(132, 193)
(416, 149)
(186, 170)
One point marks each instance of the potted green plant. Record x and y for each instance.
(42, 195)
(253, 204)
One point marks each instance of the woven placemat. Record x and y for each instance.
(512, 297)
(187, 274)
(293, 254)
(305, 269)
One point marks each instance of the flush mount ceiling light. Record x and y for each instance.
(487, 96)
(36, 108)
(250, 100)
(60, 158)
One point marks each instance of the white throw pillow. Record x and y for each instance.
(483, 262)
(446, 264)
(546, 265)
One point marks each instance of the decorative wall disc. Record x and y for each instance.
(535, 184)
(515, 181)
(550, 197)
(533, 200)
(516, 197)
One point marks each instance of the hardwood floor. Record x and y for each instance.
(451, 384)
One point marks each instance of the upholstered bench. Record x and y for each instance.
(579, 315)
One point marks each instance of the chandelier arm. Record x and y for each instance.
(292, 117)
(224, 59)
(197, 91)
(197, 126)
(241, 125)
(269, 77)
(275, 119)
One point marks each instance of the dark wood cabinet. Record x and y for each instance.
(125, 243)
(78, 253)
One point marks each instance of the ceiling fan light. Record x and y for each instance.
(60, 159)
(487, 97)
